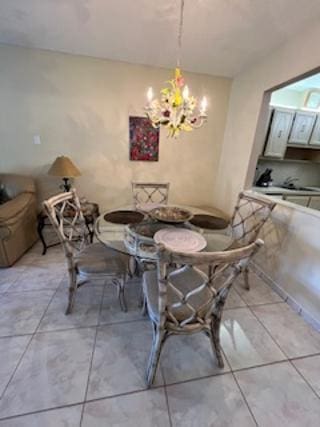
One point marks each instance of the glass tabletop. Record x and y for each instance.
(130, 231)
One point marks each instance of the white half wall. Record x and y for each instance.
(291, 256)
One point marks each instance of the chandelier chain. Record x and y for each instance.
(180, 32)
(177, 110)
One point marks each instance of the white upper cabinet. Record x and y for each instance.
(302, 128)
(279, 132)
(315, 136)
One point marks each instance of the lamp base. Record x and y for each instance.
(66, 185)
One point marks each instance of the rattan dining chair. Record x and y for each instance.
(249, 216)
(147, 192)
(84, 260)
(181, 299)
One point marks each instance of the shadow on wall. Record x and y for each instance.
(46, 185)
(274, 233)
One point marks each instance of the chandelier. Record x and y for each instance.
(176, 109)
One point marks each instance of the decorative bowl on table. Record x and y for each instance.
(171, 214)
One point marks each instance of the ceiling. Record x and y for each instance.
(220, 37)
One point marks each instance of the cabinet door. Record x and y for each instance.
(298, 200)
(302, 128)
(315, 136)
(315, 202)
(279, 133)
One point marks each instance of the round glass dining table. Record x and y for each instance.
(130, 231)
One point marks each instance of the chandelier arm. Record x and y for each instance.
(176, 109)
(201, 122)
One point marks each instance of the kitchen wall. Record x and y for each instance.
(307, 174)
(288, 98)
(240, 153)
(80, 106)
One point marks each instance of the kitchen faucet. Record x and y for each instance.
(289, 182)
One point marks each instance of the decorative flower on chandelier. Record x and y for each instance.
(177, 109)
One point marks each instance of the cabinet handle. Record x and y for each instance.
(279, 133)
(303, 127)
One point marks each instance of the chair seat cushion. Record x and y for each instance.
(185, 280)
(97, 259)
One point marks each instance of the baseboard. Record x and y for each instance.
(287, 298)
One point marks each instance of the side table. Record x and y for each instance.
(90, 212)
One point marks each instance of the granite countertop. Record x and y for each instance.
(274, 190)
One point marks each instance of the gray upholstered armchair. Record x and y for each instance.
(18, 217)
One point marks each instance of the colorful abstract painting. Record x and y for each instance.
(144, 139)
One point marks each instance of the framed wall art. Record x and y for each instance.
(143, 140)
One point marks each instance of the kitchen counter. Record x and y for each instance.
(274, 190)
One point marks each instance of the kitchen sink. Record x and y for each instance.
(295, 188)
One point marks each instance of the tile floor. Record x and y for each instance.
(87, 369)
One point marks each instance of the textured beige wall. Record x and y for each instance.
(292, 252)
(80, 107)
(239, 155)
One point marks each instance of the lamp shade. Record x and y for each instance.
(64, 168)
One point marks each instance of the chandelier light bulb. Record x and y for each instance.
(185, 93)
(150, 94)
(203, 105)
(175, 109)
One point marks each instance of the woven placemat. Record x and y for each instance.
(210, 222)
(124, 217)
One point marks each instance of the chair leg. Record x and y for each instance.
(144, 306)
(133, 267)
(246, 278)
(159, 337)
(82, 282)
(72, 292)
(122, 300)
(141, 298)
(215, 342)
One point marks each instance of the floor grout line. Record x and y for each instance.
(102, 325)
(83, 402)
(15, 336)
(268, 332)
(304, 357)
(27, 347)
(303, 377)
(168, 406)
(245, 399)
(254, 305)
(266, 303)
(40, 411)
(92, 356)
(165, 385)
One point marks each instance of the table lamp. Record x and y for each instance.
(64, 168)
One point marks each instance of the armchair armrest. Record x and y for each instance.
(13, 210)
